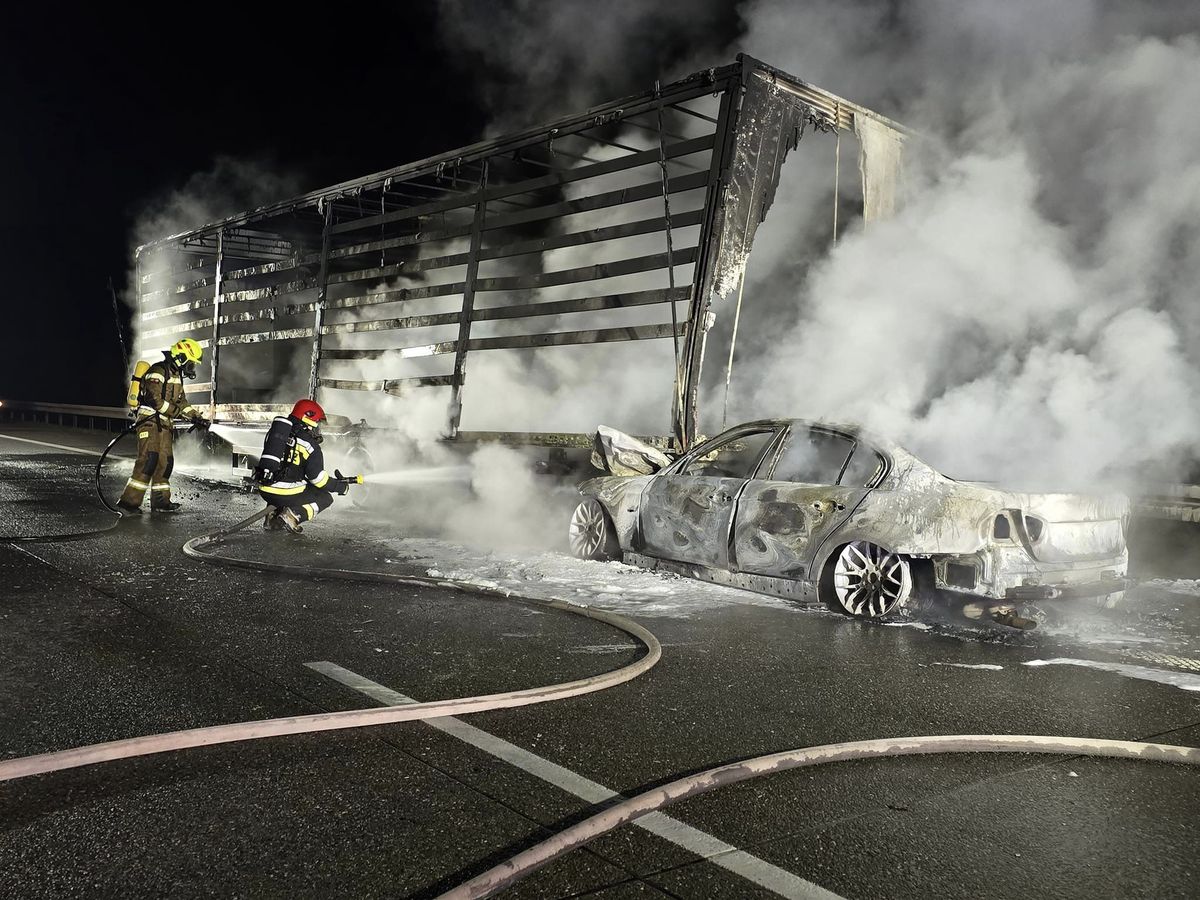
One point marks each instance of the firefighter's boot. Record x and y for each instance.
(165, 506)
(291, 521)
(129, 509)
(271, 521)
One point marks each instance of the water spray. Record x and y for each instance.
(431, 474)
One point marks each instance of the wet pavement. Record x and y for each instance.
(120, 634)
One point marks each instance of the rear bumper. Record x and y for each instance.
(1027, 592)
(1008, 574)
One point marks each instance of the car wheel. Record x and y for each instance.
(867, 581)
(591, 534)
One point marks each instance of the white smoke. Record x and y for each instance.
(1030, 314)
(535, 61)
(229, 186)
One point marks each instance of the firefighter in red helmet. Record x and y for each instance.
(291, 474)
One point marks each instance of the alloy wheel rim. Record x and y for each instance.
(870, 581)
(587, 529)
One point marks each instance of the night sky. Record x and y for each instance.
(104, 112)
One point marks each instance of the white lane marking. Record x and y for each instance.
(1176, 679)
(702, 844)
(9, 437)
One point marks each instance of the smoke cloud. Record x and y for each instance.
(1029, 316)
(230, 186)
(535, 61)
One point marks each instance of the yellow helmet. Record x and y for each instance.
(185, 354)
(188, 349)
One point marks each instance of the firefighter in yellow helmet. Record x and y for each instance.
(161, 402)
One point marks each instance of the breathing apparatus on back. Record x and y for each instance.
(133, 398)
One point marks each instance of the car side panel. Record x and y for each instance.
(687, 518)
(621, 497)
(781, 524)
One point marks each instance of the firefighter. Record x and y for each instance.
(291, 471)
(162, 400)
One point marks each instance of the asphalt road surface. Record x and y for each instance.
(119, 634)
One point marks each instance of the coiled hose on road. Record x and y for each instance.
(528, 861)
(99, 475)
(246, 731)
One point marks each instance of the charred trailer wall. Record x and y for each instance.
(621, 224)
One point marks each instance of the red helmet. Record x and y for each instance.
(309, 412)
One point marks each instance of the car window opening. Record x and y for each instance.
(736, 458)
(813, 457)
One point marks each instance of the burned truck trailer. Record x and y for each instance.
(626, 222)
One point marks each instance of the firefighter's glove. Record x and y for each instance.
(263, 474)
(201, 422)
(339, 483)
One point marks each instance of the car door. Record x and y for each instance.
(687, 509)
(817, 479)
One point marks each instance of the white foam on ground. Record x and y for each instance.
(610, 585)
(1163, 676)
(1181, 586)
(991, 667)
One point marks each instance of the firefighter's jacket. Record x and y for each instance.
(162, 394)
(297, 462)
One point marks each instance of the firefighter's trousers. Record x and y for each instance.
(155, 460)
(305, 504)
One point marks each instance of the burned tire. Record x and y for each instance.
(591, 534)
(866, 581)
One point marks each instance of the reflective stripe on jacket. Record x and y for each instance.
(163, 394)
(303, 464)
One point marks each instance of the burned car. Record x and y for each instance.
(825, 512)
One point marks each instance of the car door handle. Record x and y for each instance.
(828, 505)
(720, 497)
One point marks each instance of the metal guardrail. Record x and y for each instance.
(96, 418)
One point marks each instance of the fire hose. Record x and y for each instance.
(526, 862)
(134, 426)
(99, 472)
(245, 731)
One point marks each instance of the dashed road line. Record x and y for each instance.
(702, 844)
